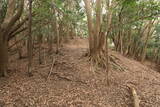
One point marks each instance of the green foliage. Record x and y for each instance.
(3, 9)
(154, 44)
(69, 16)
(127, 14)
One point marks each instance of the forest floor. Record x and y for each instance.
(73, 83)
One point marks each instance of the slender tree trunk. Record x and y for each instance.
(107, 60)
(39, 43)
(121, 43)
(109, 22)
(30, 42)
(149, 33)
(57, 36)
(129, 42)
(143, 55)
(18, 49)
(50, 42)
(56, 28)
(58, 40)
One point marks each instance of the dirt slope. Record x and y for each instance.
(73, 83)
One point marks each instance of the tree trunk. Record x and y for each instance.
(56, 28)
(97, 27)
(148, 35)
(57, 36)
(58, 40)
(18, 49)
(109, 22)
(3, 56)
(10, 11)
(50, 42)
(90, 25)
(30, 47)
(5, 27)
(39, 43)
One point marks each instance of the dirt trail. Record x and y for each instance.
(73, 83)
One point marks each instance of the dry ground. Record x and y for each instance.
(73, 83)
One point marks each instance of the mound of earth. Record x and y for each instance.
(73, 82)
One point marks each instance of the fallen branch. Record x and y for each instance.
(68, 79)
(62, 77)
(53, 63)
(135, 96)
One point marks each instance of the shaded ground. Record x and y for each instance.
(153, 65)
(73, 83)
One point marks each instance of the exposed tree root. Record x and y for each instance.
(117, 63)
(100, 60)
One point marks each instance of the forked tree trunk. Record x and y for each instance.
(7, 24)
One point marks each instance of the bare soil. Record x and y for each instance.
(74, 83)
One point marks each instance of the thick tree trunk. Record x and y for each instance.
(7, 24)
(97, 27)
(90, 25)
(3, 56)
